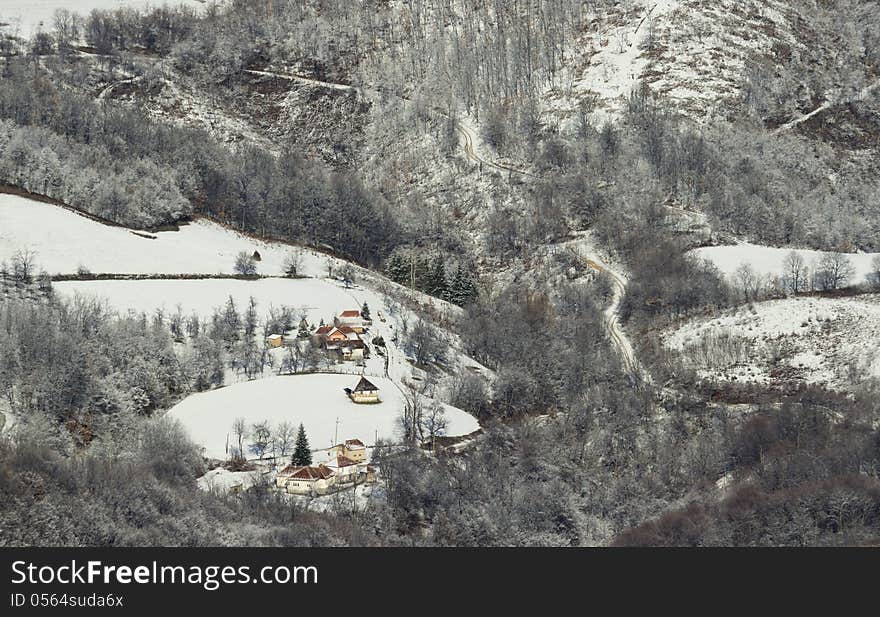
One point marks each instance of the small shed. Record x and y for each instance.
(364, 392)
(275, 340)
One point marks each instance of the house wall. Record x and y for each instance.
(365, 397)
(307, 487)
(355, 455)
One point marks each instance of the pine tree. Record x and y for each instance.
(303, 329)
(462, 289)
(365, 311)
(436, 280)
(302, 453)
(397, 268)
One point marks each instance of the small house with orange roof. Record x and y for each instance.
(306, 480)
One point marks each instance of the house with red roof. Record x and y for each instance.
(306, 480)
(353, 319)
(343, 340)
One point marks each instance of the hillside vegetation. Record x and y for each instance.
(546, 164)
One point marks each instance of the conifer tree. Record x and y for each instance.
(302, 452)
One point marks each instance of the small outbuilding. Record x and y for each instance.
(364, 392)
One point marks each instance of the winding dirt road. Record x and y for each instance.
(468, 139)
(612, 321)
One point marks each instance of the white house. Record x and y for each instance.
(346, 469)
(306, 480)
(352, 319)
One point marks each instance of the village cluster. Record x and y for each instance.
(343, 464)
(346, 464)
(345, 339)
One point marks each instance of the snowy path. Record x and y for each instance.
(612, 320)
(861, 96)
(583, 250)
(301, 79)
(469, 138)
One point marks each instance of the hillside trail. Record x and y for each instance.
(612, 320)
(468, 140)
(831, 102)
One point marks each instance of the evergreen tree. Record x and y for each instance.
(302, 453)
(397, 267)
(462, 290)
(303, 329)
(436, 279)
(365, 311)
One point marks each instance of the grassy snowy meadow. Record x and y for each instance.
(769, 260)
(315, 298)
(829, 341)
(318, 401)
(65, 241)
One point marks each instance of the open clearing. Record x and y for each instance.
(56, 235)
(315, 298)
(769, 260)
(317, 400)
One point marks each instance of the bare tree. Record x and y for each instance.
(795, 273)
(434, 422)
(285, 435)
(749, 282)
(425, 343)
(411, 422)
(262, 436)
(293, 262)
(874, 275)
(245, 264)
(23, 265)
(240, 430)
(833, 271)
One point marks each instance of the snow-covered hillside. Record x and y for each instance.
(64, 241)
(769, 260)
(691, 52)
(831, 341)
(318, 401)
(316, 299)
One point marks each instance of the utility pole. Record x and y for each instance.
(336, 433)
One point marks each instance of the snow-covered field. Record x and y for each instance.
(318, 401)
(831, 341)
(64, 240)
(30, 16)
(315, 298)
(769, 260)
